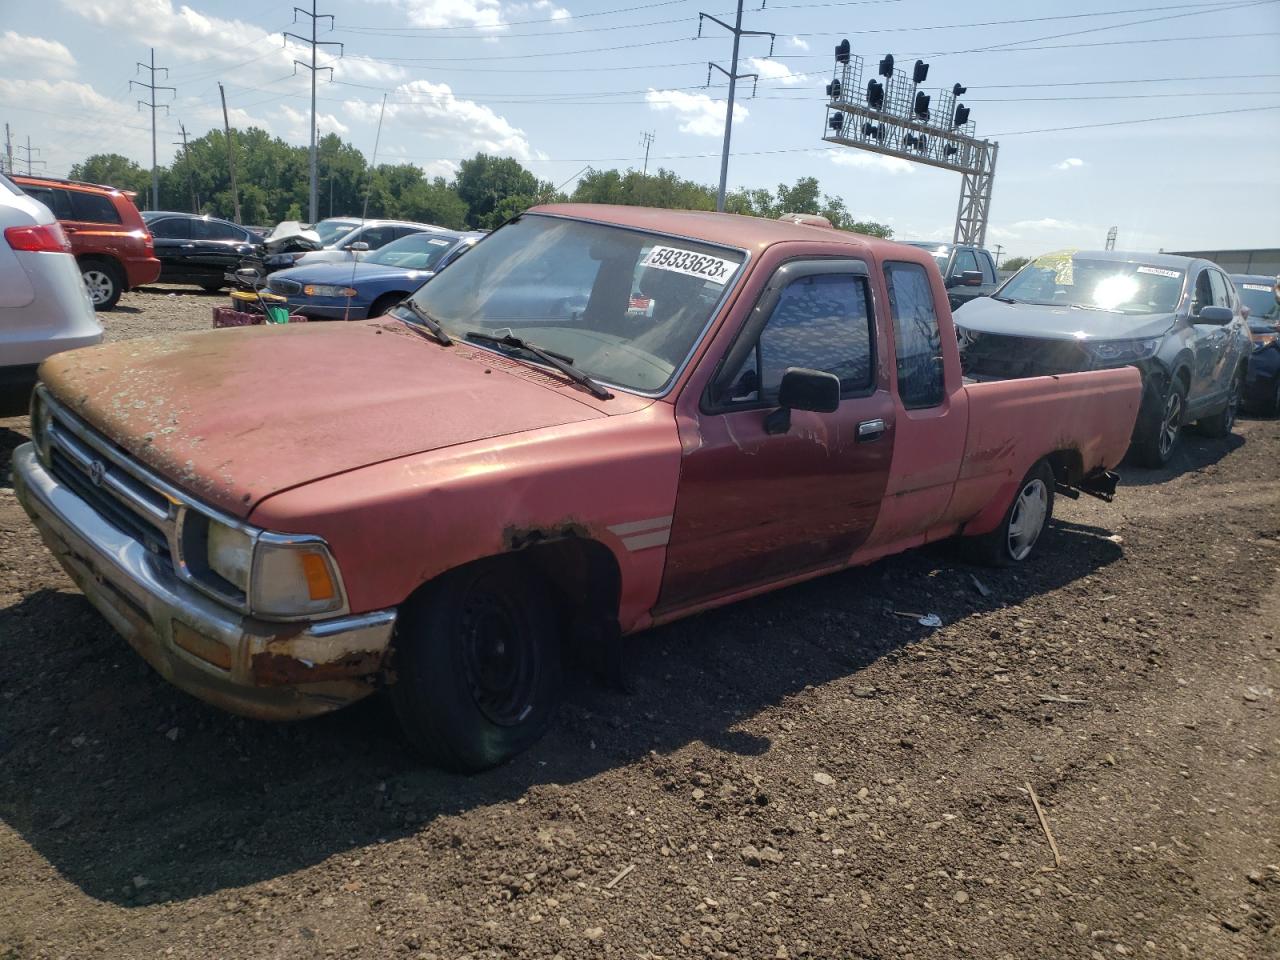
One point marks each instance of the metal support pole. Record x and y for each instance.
(8, 149)
(231, 155)
(151, 87)
(313, 196)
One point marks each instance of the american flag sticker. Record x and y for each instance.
(640, 307)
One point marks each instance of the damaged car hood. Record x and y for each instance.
(233, 416)
(988, 315)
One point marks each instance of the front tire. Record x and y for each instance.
(384, 303)
(1159, 434)
(104, 282)
(477, 666)
(1015, 539)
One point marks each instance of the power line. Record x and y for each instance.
(30, 151)
(1123, 123)
(313, 197)
(151, 88)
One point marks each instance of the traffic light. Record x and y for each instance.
(842, 51)
(873, 131)
(962, 116)
(836, 121)
(886, 66)
(950, 150)
(959, 91)
(833, 89)
(911, 140)
(875, 94)
(921, 109)
(921, 71)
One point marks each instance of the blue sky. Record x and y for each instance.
(560, 84)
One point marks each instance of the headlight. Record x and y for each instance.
(285, 259)
(230, 554)
(1122, 351)
(280, 575)
(40, 417)
(966, 337)
(1260, 342)
(327, 290)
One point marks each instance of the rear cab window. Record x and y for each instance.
(916, 336)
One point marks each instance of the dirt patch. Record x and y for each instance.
(804, 774)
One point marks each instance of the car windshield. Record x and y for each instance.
(330, 230)
(1260, 299)
(626, 305)
(1066, 280)
(418, 251)
(940, 252)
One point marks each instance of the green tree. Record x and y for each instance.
(484, 181)
(1015, 263)
(112, 170)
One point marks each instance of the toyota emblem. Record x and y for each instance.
(97, 470)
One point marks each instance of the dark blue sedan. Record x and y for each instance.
(373, 284)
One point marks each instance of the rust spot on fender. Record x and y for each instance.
(521, 538)
(272, 669)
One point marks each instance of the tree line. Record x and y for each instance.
(272, 181)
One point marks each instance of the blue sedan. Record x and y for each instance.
(373, 284)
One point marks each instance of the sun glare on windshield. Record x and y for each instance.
(1114, 290)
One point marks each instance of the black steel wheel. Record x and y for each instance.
(477, 670)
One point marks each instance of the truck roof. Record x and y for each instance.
(727, 229)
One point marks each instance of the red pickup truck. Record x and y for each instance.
(600, 419)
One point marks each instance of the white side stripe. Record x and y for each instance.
(636, 526)
(655, 539)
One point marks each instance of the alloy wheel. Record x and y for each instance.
(1028, 517)
(99, 285)
(1171, 423)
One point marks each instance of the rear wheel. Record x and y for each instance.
(103, 281)
(1158, 434)
(477, 666)
(1220, 424)
(1014, 540)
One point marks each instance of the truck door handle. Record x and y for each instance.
(869, 430)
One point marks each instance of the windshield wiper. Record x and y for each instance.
(558, 360)
(1006, 299)
(425, 320)
(1090, 306)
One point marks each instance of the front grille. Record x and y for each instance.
(1008, 358)
(124, 519)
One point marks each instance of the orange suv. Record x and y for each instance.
(108, 238)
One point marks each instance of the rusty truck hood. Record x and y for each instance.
(233, 416)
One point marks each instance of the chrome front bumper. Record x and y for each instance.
(272, 671)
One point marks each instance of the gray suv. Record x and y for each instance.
(1176, 319)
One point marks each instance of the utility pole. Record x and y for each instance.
(151, 88)
(30, 151)
(231, 154)
(999, 250)
(314, 204)
(734, 76)
(646, 139)
(8, 149)
(1111, 238)
(186, 160)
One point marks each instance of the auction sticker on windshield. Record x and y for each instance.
(690, 264)
(1159, 272)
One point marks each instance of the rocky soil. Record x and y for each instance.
(809, 774)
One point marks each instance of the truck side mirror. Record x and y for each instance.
(969, 278)
(803, 389)
(1215, 316)
(359, 246)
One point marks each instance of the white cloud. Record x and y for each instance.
(1047, 223)
(773, 70)
(430, 111)
(483, 14)
(197, 46)
(35, 55)
(297, 121)
(1069, 164)
(871, 161)
(699, 114)
(798, 44)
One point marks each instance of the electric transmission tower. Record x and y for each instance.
(646, 140)
(30, 151)
(151, 88)
(734, 76)
(314, 204)
(186, 160)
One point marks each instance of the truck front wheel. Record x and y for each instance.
(1014, 540)
(477, 666)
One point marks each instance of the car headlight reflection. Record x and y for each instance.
(327, 290)
(40, 418)
(280, 575)
(1122, 351)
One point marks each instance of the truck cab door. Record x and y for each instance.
(755, 506)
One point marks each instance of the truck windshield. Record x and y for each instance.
(1260, 299)
(1061, 279)
(626, 305)
(940, 252)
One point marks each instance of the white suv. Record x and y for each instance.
(44, 308)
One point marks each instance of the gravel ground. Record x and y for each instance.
(808, 774)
